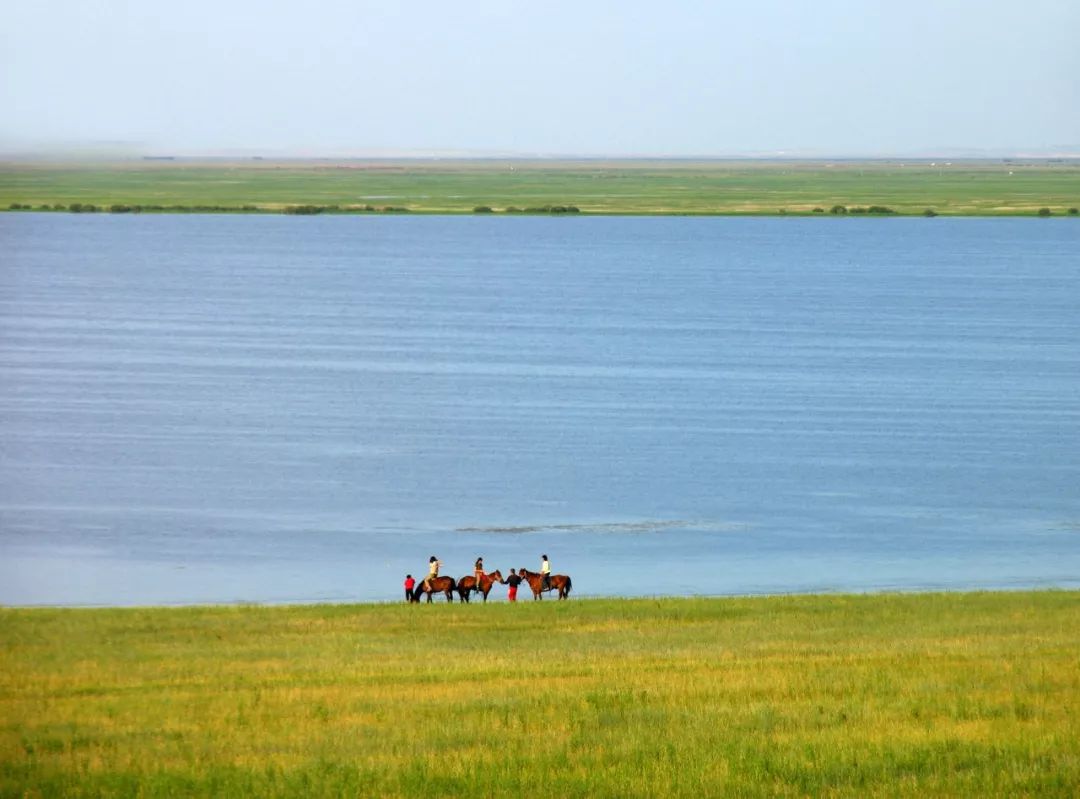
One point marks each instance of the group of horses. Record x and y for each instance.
(467, 585)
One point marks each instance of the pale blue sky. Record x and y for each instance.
(548, 77)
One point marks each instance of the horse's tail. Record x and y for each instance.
(569, 584)
(417, 591)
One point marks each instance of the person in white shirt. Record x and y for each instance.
(433, 571)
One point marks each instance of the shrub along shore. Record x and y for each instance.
(967, 694)
(297, 210)
(313, 210)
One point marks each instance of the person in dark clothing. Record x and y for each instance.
(513, 581)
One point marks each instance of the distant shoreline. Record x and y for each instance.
(184, 211)
(504, 187)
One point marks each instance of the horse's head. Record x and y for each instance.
(497, 576)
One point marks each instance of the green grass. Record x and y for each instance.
(886, 695)
(599, 187)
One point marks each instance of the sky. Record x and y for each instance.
(547, 78)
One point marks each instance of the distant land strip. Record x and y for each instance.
(1002, 187)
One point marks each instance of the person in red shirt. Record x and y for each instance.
(410, 584)
(513, 581)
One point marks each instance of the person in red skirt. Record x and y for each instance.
(513, 581)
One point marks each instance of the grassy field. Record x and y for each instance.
(604, 187)
(886, 695)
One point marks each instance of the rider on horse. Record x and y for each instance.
(478, 572)
(545, 570)
(433, 571)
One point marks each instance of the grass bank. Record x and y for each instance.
(597, 187)
(898, 695)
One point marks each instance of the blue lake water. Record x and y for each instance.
(277, 409)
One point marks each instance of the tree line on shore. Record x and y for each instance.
(311, 210)
(297, 210)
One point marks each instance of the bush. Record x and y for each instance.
(1045, 212)
(482, 209)
(203, 209)
(1074, 211)
(857, 210)
(819, 210)
(553, 209)
(119, 209)
(929, 212)
(880, 209)
(513, 210)
(838, 209)
(303, 210)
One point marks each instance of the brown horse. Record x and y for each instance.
(439, 585)
(559, 582)
(467, 585)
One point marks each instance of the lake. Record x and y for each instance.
(290, 409)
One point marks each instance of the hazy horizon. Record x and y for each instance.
(482, 79)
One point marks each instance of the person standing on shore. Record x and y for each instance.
(513, 581)
(410, 584)
(545, 570)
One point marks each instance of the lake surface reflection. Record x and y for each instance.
(272, 409)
